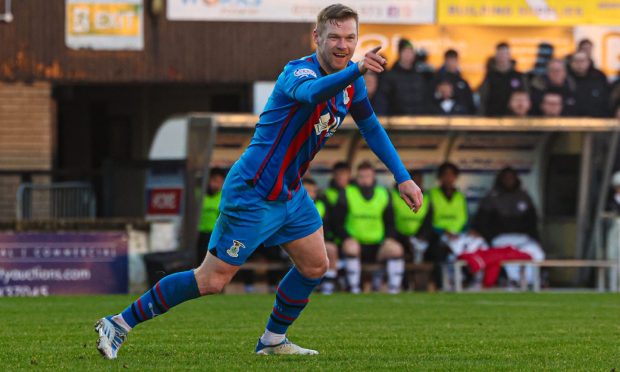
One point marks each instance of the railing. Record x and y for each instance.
(55, 200)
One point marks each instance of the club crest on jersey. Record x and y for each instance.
(233, 251)
(327, 123)
(345, 95)
(304, 72)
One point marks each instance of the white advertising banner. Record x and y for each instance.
(370, 11)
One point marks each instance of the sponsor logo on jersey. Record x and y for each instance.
(304, 72)
(327, 123)
(233, 251)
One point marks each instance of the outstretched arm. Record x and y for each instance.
(380, 144)
(320, 90)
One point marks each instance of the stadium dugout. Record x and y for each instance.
(559, 161)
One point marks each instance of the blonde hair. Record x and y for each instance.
(333, 14)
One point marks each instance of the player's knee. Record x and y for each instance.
(208, 285)
(391, 249)
(316, 270)
(351, 248)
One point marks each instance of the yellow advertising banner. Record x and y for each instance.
(528, 12)
(475, 44)
(104, 24)
(106, 19)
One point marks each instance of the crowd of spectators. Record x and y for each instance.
(569, 86)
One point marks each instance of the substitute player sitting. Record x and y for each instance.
(368, 230)
(263, 199)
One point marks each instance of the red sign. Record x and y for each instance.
(164, 201)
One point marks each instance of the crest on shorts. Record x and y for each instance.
(233, 251)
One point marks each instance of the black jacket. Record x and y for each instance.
(504, 212)
(496, 89)
(541, 84)
(402, 92)
(462, 91)
(592, 95)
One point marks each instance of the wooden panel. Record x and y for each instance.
(33, 48)
(26, 126)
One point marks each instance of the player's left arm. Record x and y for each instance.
(380, 144)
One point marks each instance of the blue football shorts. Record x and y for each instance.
(247, 220)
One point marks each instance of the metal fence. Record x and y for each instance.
(55, 200)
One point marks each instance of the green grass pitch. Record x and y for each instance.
(412, 331)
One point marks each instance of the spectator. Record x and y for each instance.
(366, 230)
(422, 66)
(448, 217)
(450, 70)
(551, 105)
(586, 46)
(445, 102)
(412, 229)
(543, 56)
(329, 280)
(592, 93)
(500, 81)
(507, 218)
(556, 78)
(519, 104)
(341, 177)
(209, 211)
(402, 90)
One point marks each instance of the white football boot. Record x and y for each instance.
(283, 348)
(111, 337)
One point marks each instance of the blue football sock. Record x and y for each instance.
(168, 292)
(291, 298)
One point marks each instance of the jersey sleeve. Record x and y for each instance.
(295, 73)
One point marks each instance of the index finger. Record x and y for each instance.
(375, 49)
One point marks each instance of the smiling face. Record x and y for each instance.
(336, 43)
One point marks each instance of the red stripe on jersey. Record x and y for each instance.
(304, 167)
(296, 144)
(275, 143)
(351, 92)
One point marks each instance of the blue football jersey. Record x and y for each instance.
(290, 132)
